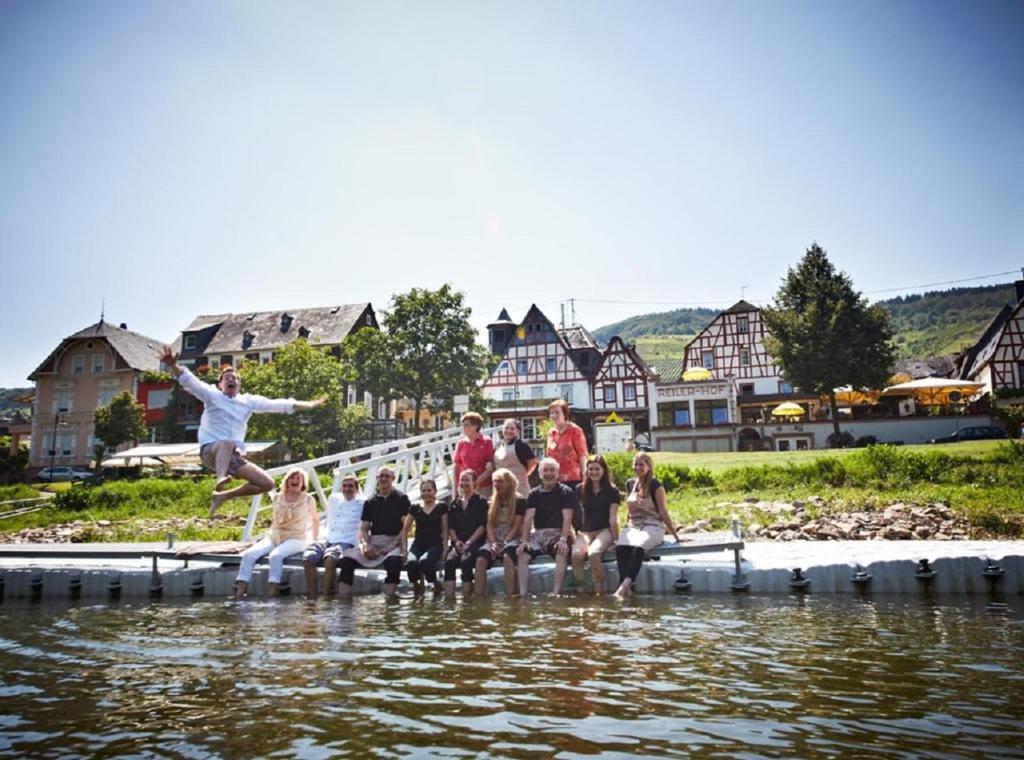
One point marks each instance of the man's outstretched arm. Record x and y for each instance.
(188, 381)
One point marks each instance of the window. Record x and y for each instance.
(551, 365)
(190, 342)
(225, 359)
(521, 367)
(785, 387)
(537, 391)
(105, 394)
(529, 428)
(504, 366)
(746, 389)
(64, 443)
(62, 400)
(1020, 374)
(629, 393)
(711, 412)
(98, 364)
(744, 357)
(252, 357)
(609, 394)
(78, 365)
(674, 415)
(157, 399)
(708, 359)
(743, 325)
(565, 392)
(508, 395)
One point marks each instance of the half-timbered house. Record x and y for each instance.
(997, 359)
(537, 366)
(622, 385)
(731, 409)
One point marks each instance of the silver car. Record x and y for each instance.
(62, 474)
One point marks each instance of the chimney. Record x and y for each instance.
(124, 325)
(1019, 286)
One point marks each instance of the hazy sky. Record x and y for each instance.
(180, 158)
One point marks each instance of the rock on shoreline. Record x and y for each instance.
(791, 521)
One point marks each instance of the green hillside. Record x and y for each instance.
(9, 401)
(930, 324)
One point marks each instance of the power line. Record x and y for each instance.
(947, 282)
(765, 300)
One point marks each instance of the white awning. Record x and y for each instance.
(156, 454)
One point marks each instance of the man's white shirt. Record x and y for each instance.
(225, 418)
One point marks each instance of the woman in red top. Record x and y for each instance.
(475, 452)
(567, 444)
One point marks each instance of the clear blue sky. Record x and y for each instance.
(179, 158)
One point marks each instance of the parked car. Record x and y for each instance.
(977, 433)
(62, 474)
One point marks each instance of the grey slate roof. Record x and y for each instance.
(577, 337)
(327, 326)
(931, 366)
(136, 350)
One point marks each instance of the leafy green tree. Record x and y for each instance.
(427, 351)
(303, 372)
(120, 421)
(12, 465)
(823, 334)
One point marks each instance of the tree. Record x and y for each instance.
(118, 422)
(304, 372)
(427, 351)
(12, 465)
(823, 334)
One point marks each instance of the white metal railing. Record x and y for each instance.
(413, 459)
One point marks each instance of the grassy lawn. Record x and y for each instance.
(983, 482)
(717, 462)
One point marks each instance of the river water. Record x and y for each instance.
(713, 676)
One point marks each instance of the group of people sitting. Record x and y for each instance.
(494, 518)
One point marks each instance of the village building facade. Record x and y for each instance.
(213, 340)
(997, 359)
(85, 371)
(728, 406)
(541, 362)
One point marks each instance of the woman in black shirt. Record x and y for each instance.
(431, 521)
(467, 519)
(600, 500)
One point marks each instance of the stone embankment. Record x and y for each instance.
(806, 521)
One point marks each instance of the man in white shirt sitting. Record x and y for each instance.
(226, 413)
(344, 513)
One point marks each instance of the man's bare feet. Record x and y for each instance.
(221, 484)
(215, 502)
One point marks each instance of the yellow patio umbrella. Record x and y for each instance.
(849, 396)
(788, 409)
(696, 374)
(934, 390)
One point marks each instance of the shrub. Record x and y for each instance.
(72, 500)
(841, 440)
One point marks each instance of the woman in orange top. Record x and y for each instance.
(567, 445)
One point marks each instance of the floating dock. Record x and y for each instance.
(713, 563)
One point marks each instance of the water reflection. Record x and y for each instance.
(798, 676)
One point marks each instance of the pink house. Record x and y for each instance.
(84, 372)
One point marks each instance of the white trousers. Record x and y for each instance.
(278, 553)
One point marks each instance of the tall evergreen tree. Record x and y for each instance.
(823, 334)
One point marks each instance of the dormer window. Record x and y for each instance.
(247, 339)
(190, 342)
(303, 332)
(286, 322)
(335, 309)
